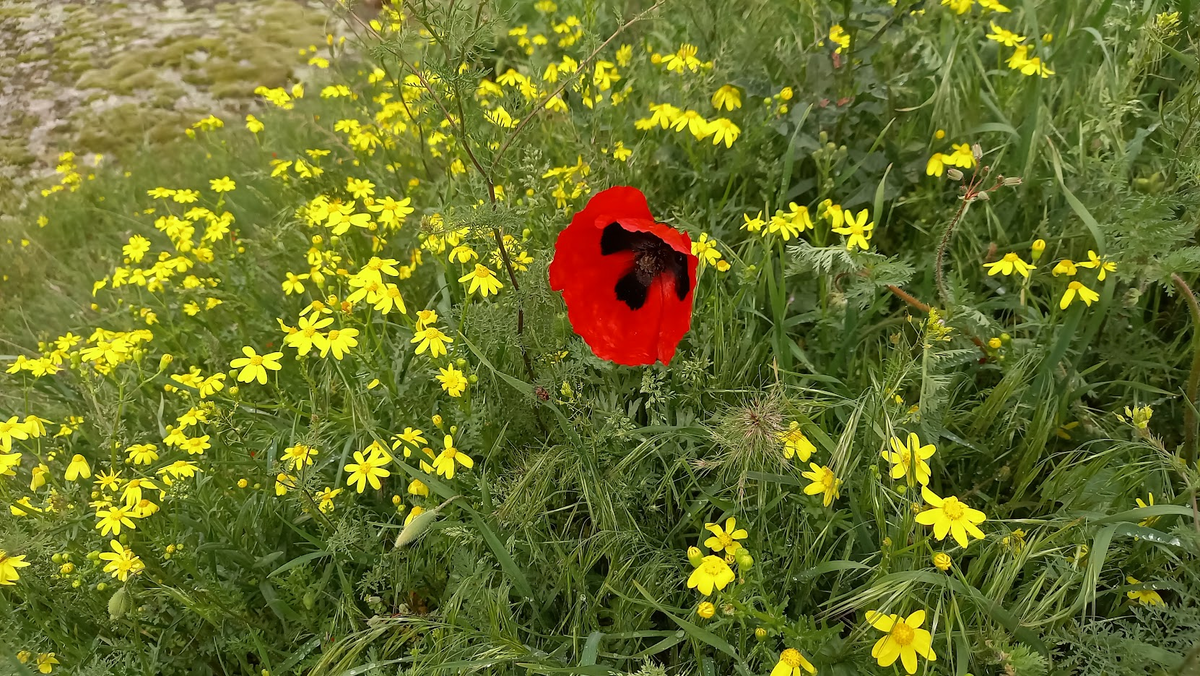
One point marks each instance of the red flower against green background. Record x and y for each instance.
(627, 279)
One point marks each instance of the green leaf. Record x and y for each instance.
(696, 632)
(879, 190)
(1148, 534)
(1097, 555)
(510, 567)
(1140, 513)
(845, 176)
(592, 670)
(276, 604)
(1187, 60)
(1076, 206)
(590, 649)
(298, 561)
(829, 567)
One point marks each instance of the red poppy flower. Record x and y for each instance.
(627, 279)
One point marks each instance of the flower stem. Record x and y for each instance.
(939, 270)
(907, 298)
(1193, 382)
(916, 303)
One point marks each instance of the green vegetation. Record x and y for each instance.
(296, 393)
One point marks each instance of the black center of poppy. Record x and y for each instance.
(651, 257)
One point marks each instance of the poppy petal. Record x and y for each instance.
(626, 315)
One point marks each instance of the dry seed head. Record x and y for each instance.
(751, 431)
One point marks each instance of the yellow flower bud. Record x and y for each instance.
(1038, 248)
(695, 556)
(942, 561)
(706, 610)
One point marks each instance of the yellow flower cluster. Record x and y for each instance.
(1011, 263)
(683, 60)
(904, 640)
(706, 249)
(908, 459)
(667, 116)
(570, 183)
(787, 225)
(1020, 60)
(711, 572)
(964, 6)
(71, 177)
(961, 157)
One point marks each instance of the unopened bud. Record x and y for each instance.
(744, 560)
(954, 174)
(1038, 248)
(1012, 180)
(695, 556)
(118, 604)
(977, 151)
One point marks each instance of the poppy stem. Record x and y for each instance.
(491, 186)
(512, 277)
(1193, 382)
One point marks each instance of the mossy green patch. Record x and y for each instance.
(158, 57)
(13, 152)
(126, 125)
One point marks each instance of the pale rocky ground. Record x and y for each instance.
(103, 76)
